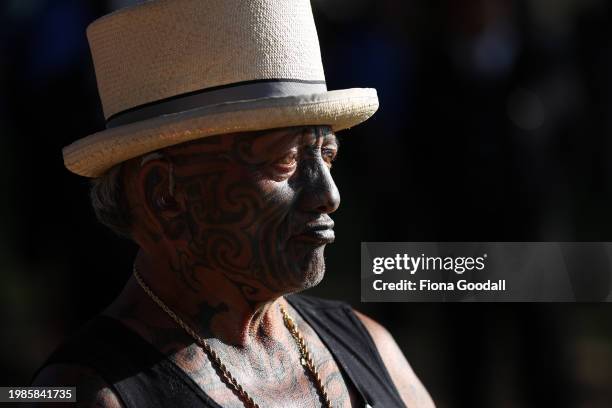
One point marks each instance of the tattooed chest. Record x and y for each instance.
(272, 379)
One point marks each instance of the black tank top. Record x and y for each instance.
(142, 376)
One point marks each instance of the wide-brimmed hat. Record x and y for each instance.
(171, 71)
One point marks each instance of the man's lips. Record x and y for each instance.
(317, 233)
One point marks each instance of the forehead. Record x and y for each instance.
(259, 142)
(286, 138)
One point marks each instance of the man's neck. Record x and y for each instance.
(206, 300)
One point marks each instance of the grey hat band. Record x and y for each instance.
(248, 90)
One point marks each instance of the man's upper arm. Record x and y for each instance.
(411, 390)
(91, 390)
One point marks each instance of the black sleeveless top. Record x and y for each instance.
(142, 376)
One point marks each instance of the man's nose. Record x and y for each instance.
(319, 192)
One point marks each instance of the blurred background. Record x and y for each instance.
(495, 125)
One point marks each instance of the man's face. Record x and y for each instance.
(257, 207)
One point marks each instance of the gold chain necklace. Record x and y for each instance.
(305, 356)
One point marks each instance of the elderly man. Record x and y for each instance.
(216, 162)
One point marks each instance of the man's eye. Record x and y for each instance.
(329, 155)
(287, 162)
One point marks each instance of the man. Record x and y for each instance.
(216, 162)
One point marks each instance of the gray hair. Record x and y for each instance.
(110, 203)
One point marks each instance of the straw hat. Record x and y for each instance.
(170, 71)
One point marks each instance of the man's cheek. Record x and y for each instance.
(276, 194)
(275, 217)
(224, 198)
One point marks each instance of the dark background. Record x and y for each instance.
(494, 125)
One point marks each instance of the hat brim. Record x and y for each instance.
(340, 109)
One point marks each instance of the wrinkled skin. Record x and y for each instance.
(247, 198)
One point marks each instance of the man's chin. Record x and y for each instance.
(310, 269)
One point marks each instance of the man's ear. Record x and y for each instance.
(160, 197)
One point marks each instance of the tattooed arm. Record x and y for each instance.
(411, 389)
(91, 390)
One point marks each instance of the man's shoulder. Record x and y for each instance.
(82, 360)
(372, 340)
(409, 386)
(92, 389)
(96, 358)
